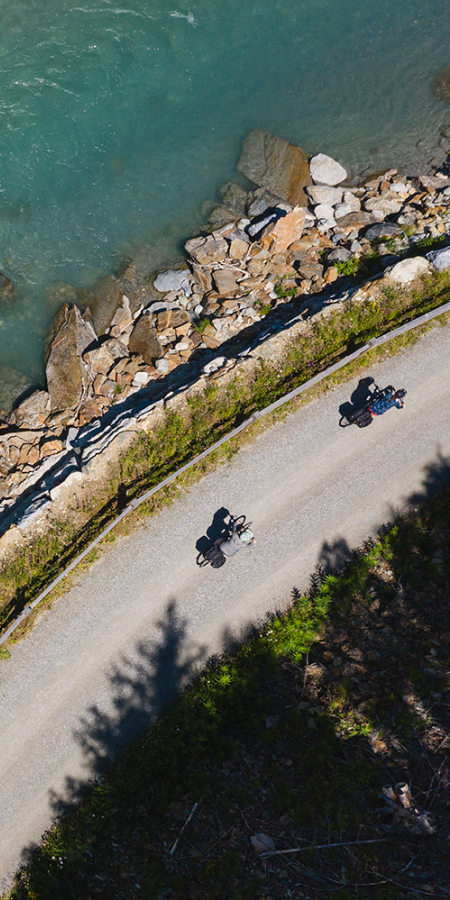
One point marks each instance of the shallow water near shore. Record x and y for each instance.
(118, 122)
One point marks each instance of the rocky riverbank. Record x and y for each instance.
(304, 236)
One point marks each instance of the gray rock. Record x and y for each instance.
(325, 216)
(262, 843)
(408, 217)
(34, 508)
(349, 204)
(259, 201)
(7, 289)
(256, 229)
(357, 220)
(325, 170)
(162, 366)
(258, 206)
(226, 281)
(399, 187)
(276, 164)
(324, 193)
(174, 280)
(338, 237)
(440, 259)
(382, 229)
(434, 182)
(107, 297)
(203, 250)
(383, 206)
(407, 270)
(70, 335)
(339, 255)
(144, 340)
(219, 217)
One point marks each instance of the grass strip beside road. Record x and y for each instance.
(207, 419)
(302, 735)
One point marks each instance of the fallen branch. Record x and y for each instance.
(321, 847)
(184, 826)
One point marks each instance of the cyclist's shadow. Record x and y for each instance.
(360, 396)
(218, 529)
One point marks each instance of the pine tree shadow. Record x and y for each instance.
(142, 686)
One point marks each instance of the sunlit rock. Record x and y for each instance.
(144, 340)
(276, 164)
(70, 335)
(325, 170)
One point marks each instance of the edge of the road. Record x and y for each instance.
(291, 395)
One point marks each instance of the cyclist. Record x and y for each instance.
(236, 541)
(390, 398)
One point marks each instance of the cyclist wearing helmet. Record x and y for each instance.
(236, 541)
(390, 398)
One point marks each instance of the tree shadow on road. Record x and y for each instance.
(142, 687)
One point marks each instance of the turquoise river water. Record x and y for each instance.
(118, 120)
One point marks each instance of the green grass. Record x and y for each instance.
(202, 324)
(349, 267)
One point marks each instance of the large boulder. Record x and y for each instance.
(325, 170)
(106, 299)
(7, 289)
(276, 164)
(70, 335)
(407, 270)
(144, 340)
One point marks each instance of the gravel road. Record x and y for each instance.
(98, 666)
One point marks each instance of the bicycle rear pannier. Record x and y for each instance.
(363, 418)
(215, 556)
